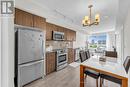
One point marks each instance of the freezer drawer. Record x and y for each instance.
(30, 45)
(30, 72)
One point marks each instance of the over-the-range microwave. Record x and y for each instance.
(58, 35)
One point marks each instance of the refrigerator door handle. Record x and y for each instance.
(29, 64)
(42, 49)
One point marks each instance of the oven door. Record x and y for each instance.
(62, 59)
(58, 35)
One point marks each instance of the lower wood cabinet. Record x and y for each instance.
(71, 55)
(50, 62)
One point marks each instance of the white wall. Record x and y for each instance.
(7, 48)
(0, 55)
(118, 44)
(127, 38)
(110, 41)
(81, 39)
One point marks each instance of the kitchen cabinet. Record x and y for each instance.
(60, 29)
(50, 62)
(68, 37)
(49, 31)
(27, 19)
(23, 18)
(65, 33)
(71, 35)
(39, 22)
(71, 55)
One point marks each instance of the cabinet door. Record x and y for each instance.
(49, 29)
(50, 62)
(73, 35)
(65, 32)
(60, 29)
(47, 63)
(23, 18)
(71, 55)
(53, 62)
(39, 22)
(68, 35)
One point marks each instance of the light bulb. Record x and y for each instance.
(83, 21)
(88, 22)
(97, 18)
(86, 18)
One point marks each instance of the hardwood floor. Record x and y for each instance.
(68, 77)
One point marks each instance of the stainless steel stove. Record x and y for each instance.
(62, 59)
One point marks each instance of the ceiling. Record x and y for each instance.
(123, 9)
(75, 10)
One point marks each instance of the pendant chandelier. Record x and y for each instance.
(87, 21)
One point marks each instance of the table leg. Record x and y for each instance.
(124, 83)
(81, 76)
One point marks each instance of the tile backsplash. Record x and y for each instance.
(51, 45)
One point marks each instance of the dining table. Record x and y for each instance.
(112, 67)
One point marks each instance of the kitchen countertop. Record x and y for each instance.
(50, 51)
(54, 50)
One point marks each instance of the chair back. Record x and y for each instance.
(87, 54)
(127, 64)
(82, 56)
(111, 54)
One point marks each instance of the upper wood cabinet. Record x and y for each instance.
(23, 18)
(68, 35)
(27, 19)
(49, 31)
(39, 22)
(71, 35)
(65, 33)
(60, 29)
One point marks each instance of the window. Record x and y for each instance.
(97, 42)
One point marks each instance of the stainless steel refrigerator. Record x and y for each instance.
(29, 55)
